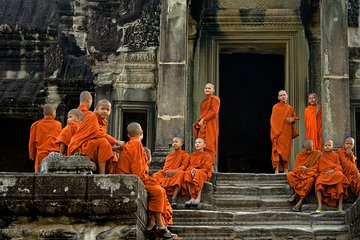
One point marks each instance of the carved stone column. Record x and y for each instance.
(171, 92)
(335, 72)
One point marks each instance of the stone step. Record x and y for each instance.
(248, 179)
(270, 218)
(262, 232)
(280, 189)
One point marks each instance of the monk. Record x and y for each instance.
(313, 121)
(133, 160)
(43, 134)
(91, 139)
(207, 126)
(348, 164)
(171, 175)
(86, 101)
(302, 178)
(331, 183)
(75, 116)
(282, 119)
(198, 171)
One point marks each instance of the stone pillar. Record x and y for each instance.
(315, 67)
(171, 92)
(335, 77)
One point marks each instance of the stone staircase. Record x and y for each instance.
(254, 206)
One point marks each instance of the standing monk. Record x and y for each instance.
(282, 119)
(302, 178)
(348, 164)
(43, 134)
(91, 139)
(133, 160)
(313, 121)
(85, 103)
(207, 126)
(198, 171)
(331, 183)
(75, 116)
(172, 174)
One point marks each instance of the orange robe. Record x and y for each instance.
(203, 162)
(281, 134)
(84, 110)
(43, 134)
(67, 133)
(179, 160)
(333, 185)
(91, 139)
(313, 125)
(133, 160)
(302, 180)
(209, 131)
(350, 170)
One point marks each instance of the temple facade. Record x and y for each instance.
(152, 58)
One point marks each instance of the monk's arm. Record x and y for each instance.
(32, 142)
(207, 165)
(185, 162)
(63, 148)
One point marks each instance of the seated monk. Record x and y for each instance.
(75, 116)
(198, 171)
(348, 164)
(43, 134)
(91, 139)
(133, 160)
(172, 174)
(331, 183)
(302, 178)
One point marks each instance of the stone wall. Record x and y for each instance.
(35, 206)
(353, 220)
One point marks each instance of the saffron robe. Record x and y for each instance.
(43, 135)
(176, 160)
(133, 160)
(313, 125)
(333, 185)
(202, 161)
(91, 139)
(84, 110)
(67, 133)
(209, 131)
(281, 134)
(350, 170)
(302, 180)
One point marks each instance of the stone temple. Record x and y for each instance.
(151, 59)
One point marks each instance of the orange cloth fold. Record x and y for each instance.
(84, 110)
(43, 135)
(313, 125)
(350, 170)
(67, 133)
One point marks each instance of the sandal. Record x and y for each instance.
(195, 203)
(188, 203)
(173, 203)
(295, 209)
(164, 233)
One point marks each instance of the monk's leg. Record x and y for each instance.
(152, 222)
(198, 197)
(176, 192)
(293, 197)
(319, 199)
(340, 206)
(299, 204)
(102, 167)
(277, 168)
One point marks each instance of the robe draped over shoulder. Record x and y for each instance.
(84, 110)
(350, 170)
(67, 133)
(313, 125)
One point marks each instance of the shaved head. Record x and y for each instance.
(134, 129)
(48, 110)
(308, 143)
(349, 139)
(85, 96)
(313, 94)
(103, 102)
(178, 139)
(77, 113)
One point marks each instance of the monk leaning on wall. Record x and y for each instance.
(43, 135)
(92, 140)
(313, 121)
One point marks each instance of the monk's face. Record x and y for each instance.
(312, 99)
(209, 89)
(328, 146)
(177, 143)
(349, 144)
(282, 96)
(104, 110)
(72, 118)
(199, 144)
(308, 149)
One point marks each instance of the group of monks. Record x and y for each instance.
(85, 133)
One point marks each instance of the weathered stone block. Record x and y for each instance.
(16, 192)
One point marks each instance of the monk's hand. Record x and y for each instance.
(201, 122)
(170, 173)
(348, 151)
(304, 168)
(328, 172)
(193, 172)
(120, 143)
(290, 119)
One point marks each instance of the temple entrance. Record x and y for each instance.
(248, 85)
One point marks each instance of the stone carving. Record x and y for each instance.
(53, 60)
(353, 13)
(57, 163)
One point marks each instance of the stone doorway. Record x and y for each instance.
(248, 85)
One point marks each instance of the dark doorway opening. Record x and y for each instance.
(140, 117)
(249, 84)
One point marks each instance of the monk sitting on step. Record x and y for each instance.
(331, 183)
(43, 134)
(133, 160)
(198, 171)
(75, 116)
(302, 178)
(172, 174)
(91, 139)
